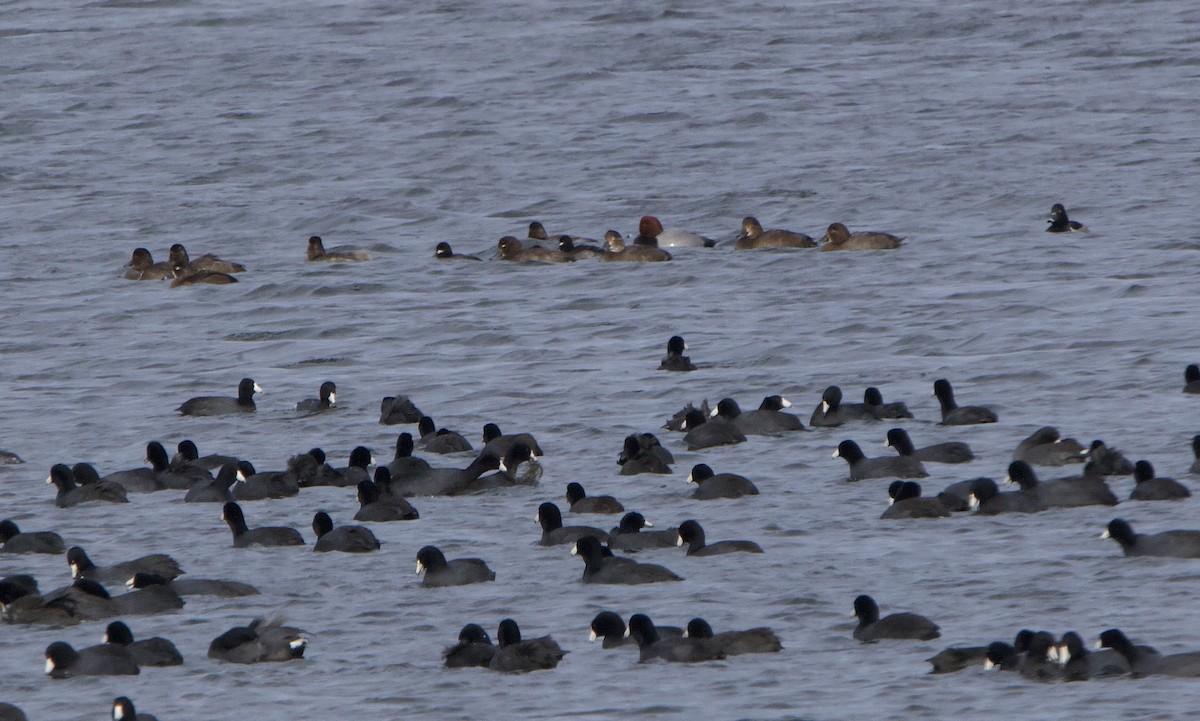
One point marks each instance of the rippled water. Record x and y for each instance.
(242, 128)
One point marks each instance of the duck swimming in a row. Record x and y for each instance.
(181, 268)
(838, 237)
(618, 251)
(753, 237)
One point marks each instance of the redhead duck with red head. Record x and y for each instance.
(651, 232)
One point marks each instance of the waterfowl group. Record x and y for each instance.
(611, 565)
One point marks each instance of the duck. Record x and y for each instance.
(342, 253)
(514, 655)
(609, 569)
(206, 262)
(347, 539)
(261, 641)
(675, 360)
(838, 237)
(156, 651)
(474, 648)
(217, 405)
(63, 479)
(1173, 544)
(537, 235)
(863, 468)
(141, 266)
(948, 452)
(735, 643)
(326, 399)
(906, 625)
(14, 541)
(578, 501)
(509, 248)
(106, 659)
(711, 485)
(1060, 223)
(753, 237)
(566, 244)
(654, 646)
(554, 533)
(1195, 468)
(458, 572)
(955, 415)
(245, 537)
(443, 251)
(691, 534)
(617, 251)
(185, 274)
(708, 432)
(652, 233)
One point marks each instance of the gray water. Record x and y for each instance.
(241, 128)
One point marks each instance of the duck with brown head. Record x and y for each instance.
(839, 237)
(142, 267)
(754, 237)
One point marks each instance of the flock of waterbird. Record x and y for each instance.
(157, 584)
(541, 247)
